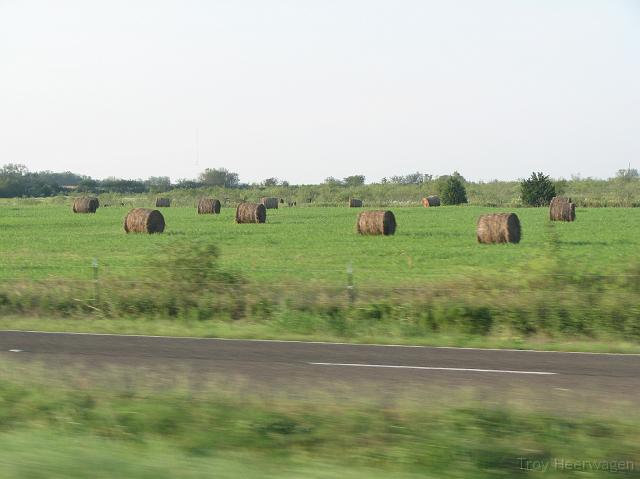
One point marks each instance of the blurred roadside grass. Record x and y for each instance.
(72, 424)
(316, 330)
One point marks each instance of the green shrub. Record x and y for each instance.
(452, 190)
(538, 190)
(196, 263)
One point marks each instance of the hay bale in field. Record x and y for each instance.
(270, 203)
(144, 220)
(355, 203)
(498, 228)
(376, 223)
(163, 202)
(562, 209)
(208, 206)
(85, 205)
(431, 201)
(251, 213)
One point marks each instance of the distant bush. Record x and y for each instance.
(538, 190)
(452, 190)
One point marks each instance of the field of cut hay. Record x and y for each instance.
(314, 244)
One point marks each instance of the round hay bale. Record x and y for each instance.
(430, 201)
(208, 206)
(270, 203)
(251, 213)
(355, 203)
(562, 209)
(376, 223)
(498, 228)
(85, 205)
(144, 220)
(163, 202)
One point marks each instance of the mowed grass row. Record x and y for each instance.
(313, 244)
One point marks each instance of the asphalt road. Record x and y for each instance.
(370, 369)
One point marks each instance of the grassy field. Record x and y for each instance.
(307, 244)
(431, 283)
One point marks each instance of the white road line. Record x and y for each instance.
(431, 368)
(293, 341)
(15, 350)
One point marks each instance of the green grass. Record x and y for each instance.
(566, 285)
(114, 424)
(307, 244)
(42, 455)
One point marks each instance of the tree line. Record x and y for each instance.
(536, 190)
(17, 181)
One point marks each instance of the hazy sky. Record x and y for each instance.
(303, 90)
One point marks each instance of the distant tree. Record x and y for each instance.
(354, 180)
(183, 183)
(537, 190)
(627, 174)
(273, 182)
(159, 184)
(36, 188)
(88, 185)
(219, 177)
(331, 181)
(270, 182)
(16, 180)
(14, 169)
(119, 185)
(452, 190)
(416, 178)
(65, 178)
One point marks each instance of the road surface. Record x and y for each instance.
(370, 369)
